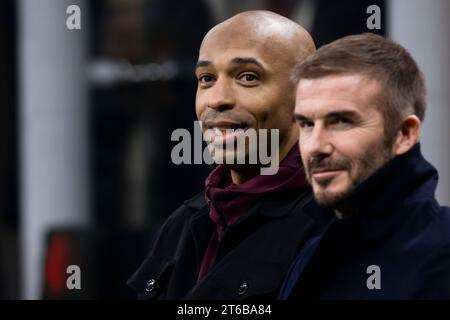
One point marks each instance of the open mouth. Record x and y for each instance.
(224, 132)
(225, 125)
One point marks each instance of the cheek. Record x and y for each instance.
(199, 106)
(341, 183)
(276, 116)
(198, 113)
(364, 156)
(201, 97)
(303, 146)
(260, 115)
(352, 145)
(270, 107)
(304, 158)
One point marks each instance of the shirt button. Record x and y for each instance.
(150, 285)
(243, 288)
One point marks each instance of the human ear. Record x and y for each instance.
(408, 135)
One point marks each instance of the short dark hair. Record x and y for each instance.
(402, 83)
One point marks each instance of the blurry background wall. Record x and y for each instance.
(9, 196)
(423, 28)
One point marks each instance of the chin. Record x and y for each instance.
(236, 157)
(330, 199)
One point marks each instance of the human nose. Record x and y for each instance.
(220, 96)
(317, 142)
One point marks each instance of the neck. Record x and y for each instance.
(241, 175)
(345, 210)
(244, 173)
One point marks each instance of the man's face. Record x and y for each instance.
(341, 134)
(243, 84)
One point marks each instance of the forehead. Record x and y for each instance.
(222, 47)
(349, 91)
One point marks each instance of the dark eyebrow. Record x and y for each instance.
(299, 117)
(343, 113)
(236, 61)
(240, 60)
(202, 63)
(334, 114)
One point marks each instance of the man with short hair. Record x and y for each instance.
(359, 105)
(236, 239)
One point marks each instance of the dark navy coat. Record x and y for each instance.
(253, 256)
(399, 228)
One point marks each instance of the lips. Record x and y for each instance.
(222, 136)
(325, 175)
(224, 125)
(324, 170)
(222, 132)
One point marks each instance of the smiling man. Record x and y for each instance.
(245, 82)
(236, 239)
(343, 136)
(359, 105)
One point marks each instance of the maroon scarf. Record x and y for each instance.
(229, 201)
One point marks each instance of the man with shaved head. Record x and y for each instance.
(236, 239)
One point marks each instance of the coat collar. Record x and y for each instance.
(273, 207)
(196, 202)
(201, 225)
(403, 181)
(406, 178)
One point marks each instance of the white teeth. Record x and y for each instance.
(227, 128)
(220, 128)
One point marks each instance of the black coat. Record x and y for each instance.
(399, 227)
(253, 256)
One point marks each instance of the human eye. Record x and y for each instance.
(341, 121)
(305, 125)
(205, 78)
(248, 78)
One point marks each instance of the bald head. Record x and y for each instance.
(284, 39)
(245, 79)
